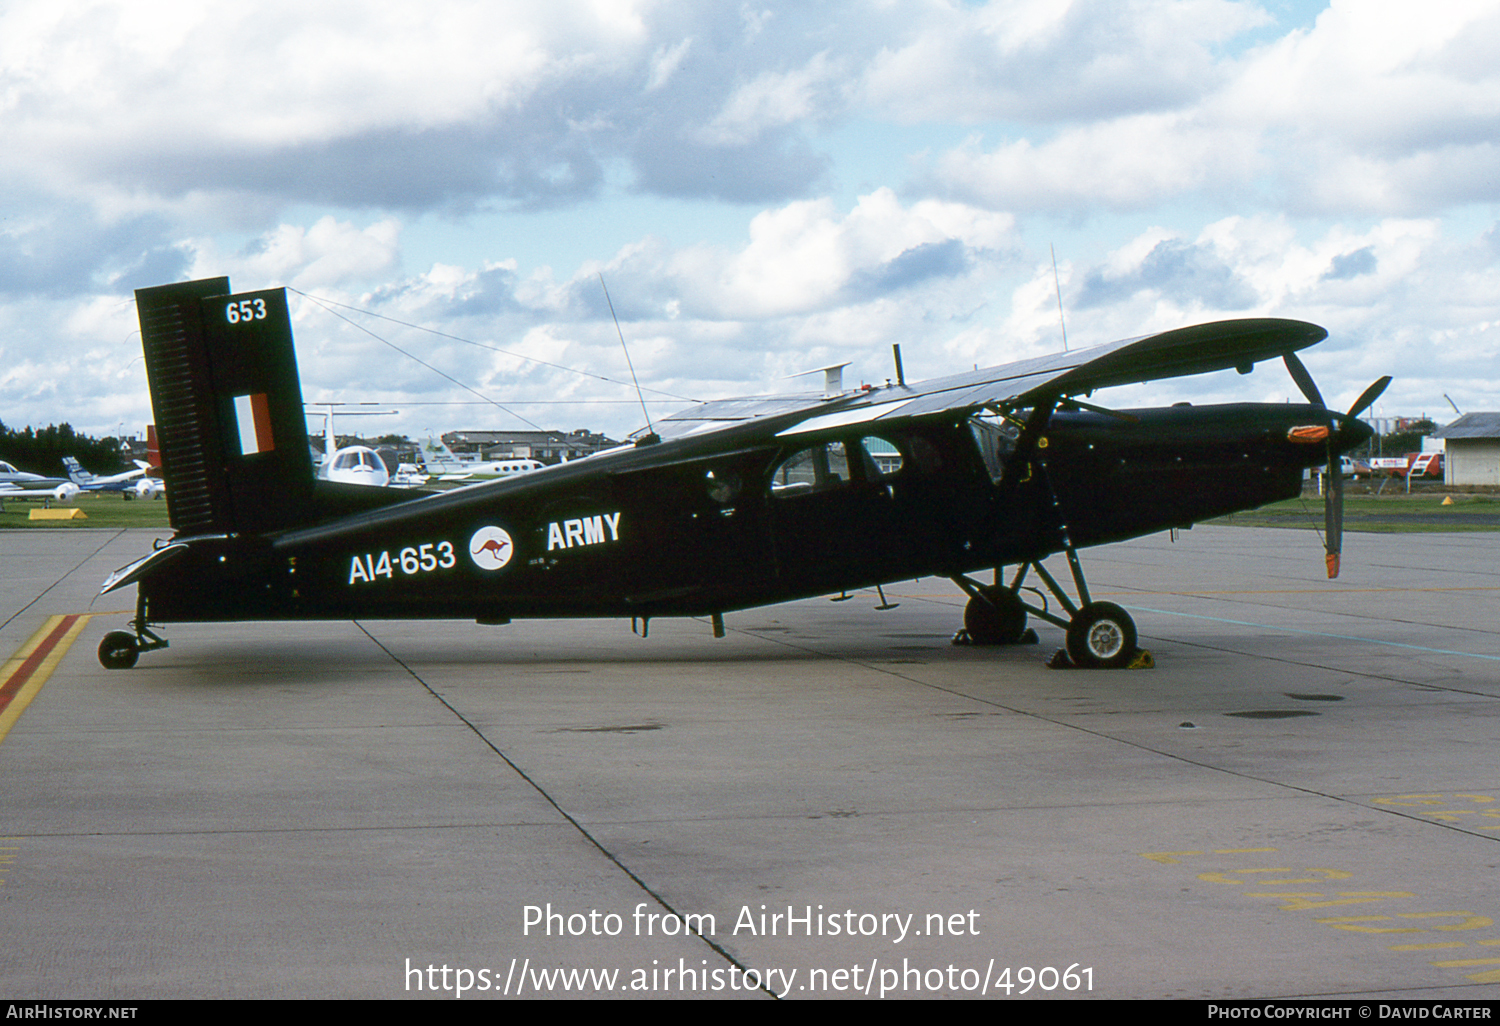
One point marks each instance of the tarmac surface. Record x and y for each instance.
(1302, 799)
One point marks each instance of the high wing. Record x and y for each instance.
(1199, 349)
(10, 475)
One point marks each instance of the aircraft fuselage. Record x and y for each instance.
(693, 527)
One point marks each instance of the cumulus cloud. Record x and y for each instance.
(448, 105)
(1193, 274)
(772, 100)
(1038, 60)
(837, 177)
(1128, 163)
(1379, 108)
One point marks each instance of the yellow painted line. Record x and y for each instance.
(25, 672)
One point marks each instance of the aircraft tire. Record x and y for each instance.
(996, 618)
(1101, 636)
(118, 651)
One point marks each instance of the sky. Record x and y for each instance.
(764, 188)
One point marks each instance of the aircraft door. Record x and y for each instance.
(702, 531)
(841, 512)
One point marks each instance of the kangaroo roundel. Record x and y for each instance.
(491, 548)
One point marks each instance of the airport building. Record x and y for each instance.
(1472, 443)
(546, 446)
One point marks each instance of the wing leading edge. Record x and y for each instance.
(1199, 349)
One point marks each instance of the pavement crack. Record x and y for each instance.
(564, 813)
(68, 573)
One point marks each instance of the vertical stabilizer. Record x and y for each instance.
(228, 407)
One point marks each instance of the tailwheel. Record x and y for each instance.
(995, 615)
(119, 650)
(1101, 635)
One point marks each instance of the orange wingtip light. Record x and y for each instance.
(1307, 434)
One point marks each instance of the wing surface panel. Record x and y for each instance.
(1199, 349)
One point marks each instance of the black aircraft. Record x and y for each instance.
(731, 504)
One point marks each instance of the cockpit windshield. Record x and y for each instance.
(996, 437)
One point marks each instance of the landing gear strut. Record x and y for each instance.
(120, 649)
(1100, 635)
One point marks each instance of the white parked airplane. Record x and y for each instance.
(19, 484)
(448, 466)
(353, 464)
(131, 482)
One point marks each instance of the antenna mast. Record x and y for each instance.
(1057, 283)
(651, 436)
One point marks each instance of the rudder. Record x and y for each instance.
(228, 407)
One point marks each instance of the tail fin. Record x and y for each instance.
(228, 407)
(75, 470)
(153, 450)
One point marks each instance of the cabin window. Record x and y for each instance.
(831, 465)
(817, 468)
(882, 458)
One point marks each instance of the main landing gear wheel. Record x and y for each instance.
(119, 650)
(995, 617)
(1101, 636)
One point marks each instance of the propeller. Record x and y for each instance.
(1333, 494)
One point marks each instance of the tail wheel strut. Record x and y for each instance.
(120, 649)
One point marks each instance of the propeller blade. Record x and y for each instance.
(1333, 511)
(1368, 397)
(1304, 380)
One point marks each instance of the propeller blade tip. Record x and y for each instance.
(1333, 565)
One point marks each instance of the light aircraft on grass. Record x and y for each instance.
(20, 484)
(728, 505)
(10, 474)
(132, 484)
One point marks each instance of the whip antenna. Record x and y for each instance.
(1057, 283)
(651, 437)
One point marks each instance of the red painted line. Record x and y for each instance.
(17, 680)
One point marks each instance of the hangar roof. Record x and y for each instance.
(1472, 425)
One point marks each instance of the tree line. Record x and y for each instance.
(40, 451)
